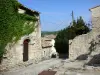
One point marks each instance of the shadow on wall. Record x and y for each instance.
(91, 49)
(82, 57)
(95, 61)
(53, 56)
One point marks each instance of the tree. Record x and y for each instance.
(61, 43)
(77, 27)
(81, 27)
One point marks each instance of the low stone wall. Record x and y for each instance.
(82, 44)
(79, 45)
(46, 53)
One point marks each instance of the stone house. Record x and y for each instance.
(87, 44)
(48, 45)
(28, 48)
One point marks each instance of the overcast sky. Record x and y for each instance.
(56, 14)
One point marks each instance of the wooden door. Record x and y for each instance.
(25, 50)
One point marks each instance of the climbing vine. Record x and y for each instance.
(12, 24)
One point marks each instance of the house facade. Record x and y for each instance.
(48, 43)
(27, 48)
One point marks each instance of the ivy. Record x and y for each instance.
(12, 24)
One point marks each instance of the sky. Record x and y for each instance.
(56, 14)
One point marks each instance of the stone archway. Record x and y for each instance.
(25, 49)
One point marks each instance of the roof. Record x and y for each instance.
(45, 43)
(52, 36)
(26, 8)
(94, 7)
(46, 40)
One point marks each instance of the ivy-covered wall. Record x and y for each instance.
(12, 25)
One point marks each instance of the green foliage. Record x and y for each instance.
(12, 24)
(61, 42)
(61, 45)
(76, 28)
(80, 27)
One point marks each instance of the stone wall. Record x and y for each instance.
(46, 53)
(81, 44)
(95, 17)
(14, 51)
(48, 47)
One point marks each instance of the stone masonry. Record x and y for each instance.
(48, 46)
(81, 44)
(14, 51)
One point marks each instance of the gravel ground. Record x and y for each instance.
(63, 67)
(34, 69)
(76, 68)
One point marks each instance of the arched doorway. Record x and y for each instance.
(25, 50)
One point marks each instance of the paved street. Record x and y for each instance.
(63, 67)
(76, 68)
(34, 69)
